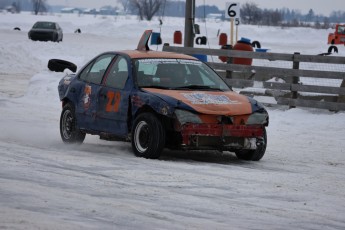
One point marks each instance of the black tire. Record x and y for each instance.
(69, 130)
(253, 155)
(58, 65)
(201, 40)
(55, 38)
(333, 48)
(256, 44)
(148, 136)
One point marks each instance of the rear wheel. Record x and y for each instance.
(69, 131)
(148, 136)
(253, 155)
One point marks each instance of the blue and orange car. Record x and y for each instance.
(158, 100)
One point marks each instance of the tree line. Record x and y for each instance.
(16, 6)
(250, 12)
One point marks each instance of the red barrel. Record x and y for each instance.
(225, 58)
(223, 39)
(245, 45)
(177, 37)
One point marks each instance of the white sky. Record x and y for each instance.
(319, 6)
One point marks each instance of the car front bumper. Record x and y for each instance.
(221, 136)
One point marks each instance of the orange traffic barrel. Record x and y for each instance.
(177, 37)
(245, 45)
(223, 39)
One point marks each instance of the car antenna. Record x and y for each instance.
(144, 40)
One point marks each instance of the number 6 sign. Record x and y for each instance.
(232, 10)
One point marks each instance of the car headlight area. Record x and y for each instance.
(258, 119)
(184, 116)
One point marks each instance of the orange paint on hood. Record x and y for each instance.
(210, 102)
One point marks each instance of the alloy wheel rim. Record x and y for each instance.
(142, 136)
(67, 124)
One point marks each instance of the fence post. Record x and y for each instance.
(228, 72)
(229, 61)
(295, 79)
(341, 98)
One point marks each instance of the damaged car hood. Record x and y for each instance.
(208, 102)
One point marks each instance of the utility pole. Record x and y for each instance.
(189, 23)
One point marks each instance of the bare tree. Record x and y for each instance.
(124, 4)
(326, 23)
(39, 6)
(310, 16)
(146, 8)
(16, 7)
(276, 17)
(251, 13)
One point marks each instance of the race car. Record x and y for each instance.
(158, 100)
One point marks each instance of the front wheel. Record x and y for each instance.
(69, 131)
(148, 136)
(253, 155)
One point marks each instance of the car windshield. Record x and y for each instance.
(341, 29)
(177, 74)
(44, 25)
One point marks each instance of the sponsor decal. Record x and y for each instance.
(87, 97)
(157, 61)
(114, 99)
(136, 100)
(67, 80)
(206, 99)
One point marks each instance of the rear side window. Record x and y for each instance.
(44, 25)
(94, 72)
(118, 74)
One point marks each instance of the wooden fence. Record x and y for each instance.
(253, 80)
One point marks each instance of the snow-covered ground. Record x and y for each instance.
(299, 184)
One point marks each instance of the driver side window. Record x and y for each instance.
(94, 72)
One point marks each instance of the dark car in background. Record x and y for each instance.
(46, 31)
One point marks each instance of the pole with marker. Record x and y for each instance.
(232, 11)
(231, 31)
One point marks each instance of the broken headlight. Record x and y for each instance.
(184, 116)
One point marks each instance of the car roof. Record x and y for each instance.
(137, 54)
(45, 22)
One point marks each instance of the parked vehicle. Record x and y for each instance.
(338, 37)
(160, 100)
(46, 31)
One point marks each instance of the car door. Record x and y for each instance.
(114, 98)
(90, 83)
